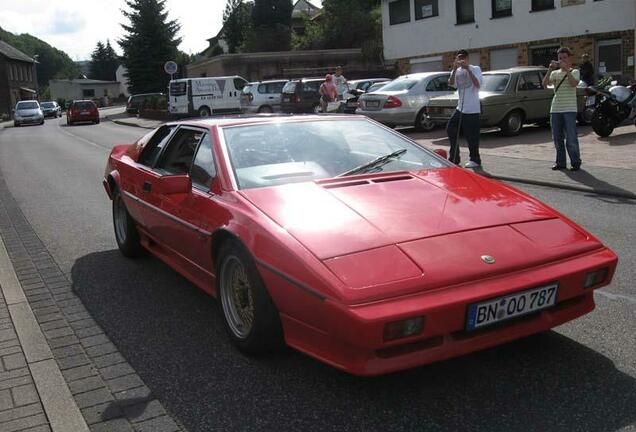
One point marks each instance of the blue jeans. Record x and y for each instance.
(564, 128)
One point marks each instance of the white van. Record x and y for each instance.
(205, 96)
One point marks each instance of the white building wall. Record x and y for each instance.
(441, 34)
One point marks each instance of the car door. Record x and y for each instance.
(436, 86)
(137, 178)
(533, 98)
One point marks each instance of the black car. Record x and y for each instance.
(137, 101)
(302, 96)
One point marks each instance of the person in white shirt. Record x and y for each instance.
(466, 78)
(340, 82)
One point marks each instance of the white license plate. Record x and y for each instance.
(84, 113)
(373, 104)
(503, 308)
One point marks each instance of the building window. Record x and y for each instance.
(88, 93)
(10, 73)
(16, 73)
(399, 12)
(465, 11)
(539, 5)
(609, 57)
(425, 9)
(501, 8)
(542, 56)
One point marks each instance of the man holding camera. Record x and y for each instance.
(466, 78)
(564, 109)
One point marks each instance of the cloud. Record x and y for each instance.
(66, 22)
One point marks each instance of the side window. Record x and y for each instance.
(364, 85)
(312, 86)
(530, 81)
(154, 146)
(262, 88)
(177, 158)
(277, 87)
(438, 84)
(203, 169)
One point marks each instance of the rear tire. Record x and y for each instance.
(126, 233)
(602, 125)
(204, 111)
(512, 124)
(16, 124)
(249, 314)
(265, 109)
(423, 123)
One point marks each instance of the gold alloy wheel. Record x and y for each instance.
(236, 297)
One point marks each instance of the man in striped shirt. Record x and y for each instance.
(564, 109)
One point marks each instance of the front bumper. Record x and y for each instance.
(29, 120)
(351, 337)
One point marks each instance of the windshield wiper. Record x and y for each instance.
(375, 163)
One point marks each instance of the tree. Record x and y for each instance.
(151, 40)
(271, 25)
(236, 23)
(52, 62)
(104, 62)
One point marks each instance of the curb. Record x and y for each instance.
(59, 405)
(124, 123)
(607, 192)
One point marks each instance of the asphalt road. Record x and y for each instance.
(582, 376)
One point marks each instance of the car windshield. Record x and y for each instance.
(289, 152)
(290, 87)
(495, 82)
(27, 105)
(47, 105)
(400, 84)
(84, 105)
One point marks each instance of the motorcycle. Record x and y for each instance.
(613, 106)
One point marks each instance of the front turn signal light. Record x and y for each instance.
(596, 277)
(405, 328)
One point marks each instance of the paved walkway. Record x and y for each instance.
(58, 370)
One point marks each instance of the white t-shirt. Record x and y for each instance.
(468, 102)
(341, 84)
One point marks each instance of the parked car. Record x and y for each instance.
(301, 96)
(509, 99)
(377, 86)
(51, 109)
(262, 96)
(27, 112)
(358, 88)
(82, 111)
(402, 102)
(135, 102)
(205, 96)
(348, 241)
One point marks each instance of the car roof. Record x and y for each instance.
(517, 69)
(83, 100)
(269, 81)
(246, 119)
(421, 75)
(146, 94)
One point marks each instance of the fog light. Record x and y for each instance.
(404, 328)
(596, 277)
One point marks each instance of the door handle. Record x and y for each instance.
(147, 186)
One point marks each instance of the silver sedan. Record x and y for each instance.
(402, 102)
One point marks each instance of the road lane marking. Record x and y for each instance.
(82, 139)
(611, 296)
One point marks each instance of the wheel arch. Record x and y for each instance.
(111, 183)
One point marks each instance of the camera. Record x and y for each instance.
(555, 64)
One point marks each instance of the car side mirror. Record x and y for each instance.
(441, 152)
(174, 184)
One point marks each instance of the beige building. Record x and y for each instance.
(96, 90)
(422, 35)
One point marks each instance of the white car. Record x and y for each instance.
(27, 112)
(262, 96)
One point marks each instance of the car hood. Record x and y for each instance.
(398, 233)
(340, 217)
(27, 112)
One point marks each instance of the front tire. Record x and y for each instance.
(513, 122)
(249, 314)
(265, 110)
(126, 233)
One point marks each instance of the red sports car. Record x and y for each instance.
(348, 241)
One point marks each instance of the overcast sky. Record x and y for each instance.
(75, 26)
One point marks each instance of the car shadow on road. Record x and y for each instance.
(172, 334)
(619, 140)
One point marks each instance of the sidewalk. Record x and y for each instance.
(609, 164)
(59, 371)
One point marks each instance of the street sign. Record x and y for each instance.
(170, 67)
